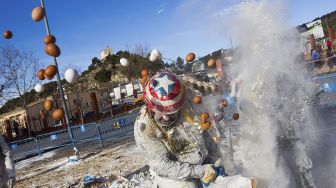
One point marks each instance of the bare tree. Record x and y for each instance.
(18, 70)
(142, 49)
(3, 85)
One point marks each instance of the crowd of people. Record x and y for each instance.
(316, 51)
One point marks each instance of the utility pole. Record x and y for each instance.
(60, 87)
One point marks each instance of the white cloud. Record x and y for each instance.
(161, 10)
(226, 11)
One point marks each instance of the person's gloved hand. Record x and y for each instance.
(209, 174)
(219, 167)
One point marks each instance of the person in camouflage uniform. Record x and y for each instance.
(174, 137)
(286, 102)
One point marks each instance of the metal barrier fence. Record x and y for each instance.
(109, 129)
(121, 127)
(22, 148)
(85, 132)
(53, 140)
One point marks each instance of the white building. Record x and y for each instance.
(126, 91)
(105, 53)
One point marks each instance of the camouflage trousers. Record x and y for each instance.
(298, 162)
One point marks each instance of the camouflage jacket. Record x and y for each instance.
(179, 152)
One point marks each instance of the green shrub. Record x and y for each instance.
(103, 75)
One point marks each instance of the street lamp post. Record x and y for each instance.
(61, 92)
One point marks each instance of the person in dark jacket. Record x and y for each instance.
(15, 125)
(7, 168)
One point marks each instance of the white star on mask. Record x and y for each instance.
(163, 82)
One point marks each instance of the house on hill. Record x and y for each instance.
(107, 51)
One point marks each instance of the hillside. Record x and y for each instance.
(100, 75)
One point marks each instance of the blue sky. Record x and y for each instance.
(84, 27)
